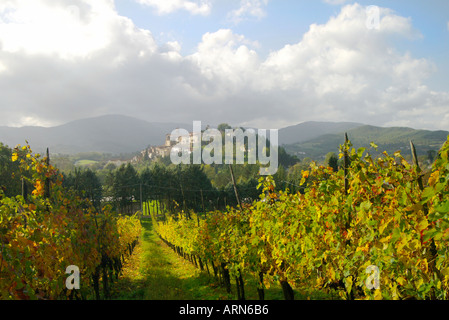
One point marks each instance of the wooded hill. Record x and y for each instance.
(387, 139)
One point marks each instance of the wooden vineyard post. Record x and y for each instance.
(287, 290)
(24, 189)
(25, 197)
(202, 200)
(418, 169)
(141, 202)
(184, 203)
(240, 286)
(235, 188)
(346, 163)
(260, 289)
(226, 278)
(47, 180)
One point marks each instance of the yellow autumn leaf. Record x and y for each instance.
(434, 177)
(424, 265)
(383, 226)
(39, 188)
(386, 239)
(400, 280)
(331, 274)
(418, 283)
(349, 234)
(377, 294)
(423, 224)
(364, 248)
(445, 272)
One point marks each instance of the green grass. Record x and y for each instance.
(84, 163)
(155, 272)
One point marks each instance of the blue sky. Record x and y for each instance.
(265, 63)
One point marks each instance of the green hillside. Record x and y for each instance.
(388, 139)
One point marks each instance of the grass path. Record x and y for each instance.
(155, 272)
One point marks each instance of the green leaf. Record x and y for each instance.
(429, 234)
(427, 194)
(348, 284)
(360, 152)
(365, 205)
(443, 207)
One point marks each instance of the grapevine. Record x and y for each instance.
(329, 236)
(42, 235)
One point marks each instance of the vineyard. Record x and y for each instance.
(373, 214)
(377, 228)
(43, 233)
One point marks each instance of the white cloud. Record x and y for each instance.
(224, 58)
(65, 30)
(336, 2)
(248, 9)
(202, 7)
(339, 71)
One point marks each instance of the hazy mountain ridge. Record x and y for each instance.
(109, 134)
(312, 129)
(117, 134)
(390, 139)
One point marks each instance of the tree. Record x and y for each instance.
(125, 187)
(286, 159)
(280, 178)
(223, 126)
(86, 184)
(10, 176)
(431, 154)
(332, 161)
(110, 166)
(147, 181)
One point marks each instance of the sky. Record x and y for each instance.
(260, 63)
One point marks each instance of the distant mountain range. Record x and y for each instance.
(390, 139)
(117, 134)
(113, 134)
(312, 129)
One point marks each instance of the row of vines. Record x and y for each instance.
(45, 232)
(375, 214)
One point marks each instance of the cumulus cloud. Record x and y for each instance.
(338, 71)
(202, 7)
(77, 28)
(248, 9)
